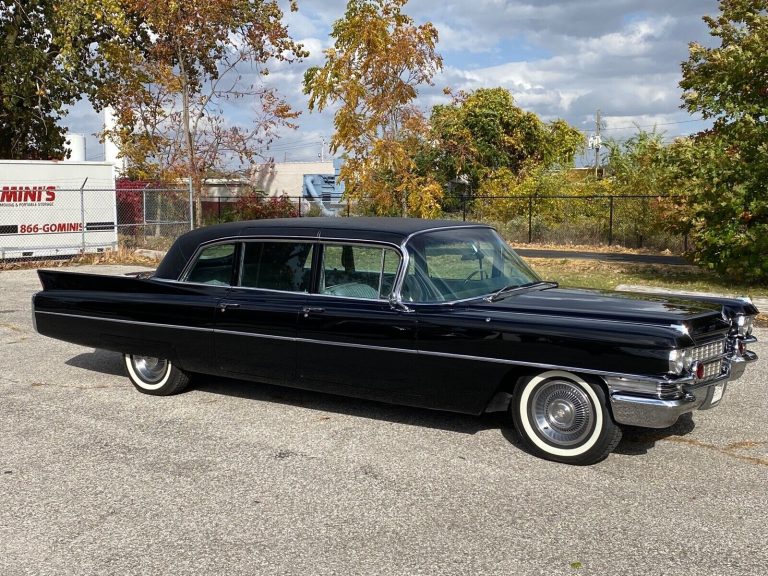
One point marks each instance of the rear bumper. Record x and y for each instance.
(633, 408)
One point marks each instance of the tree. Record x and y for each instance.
(642, 165)
(171, 111)
(54, 53)
(484, 139)
(728, 209)
(379, 59)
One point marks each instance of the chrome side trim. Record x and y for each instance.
(602, 373)
(118, 321)
(314, 341)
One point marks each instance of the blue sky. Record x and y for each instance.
(559, 59)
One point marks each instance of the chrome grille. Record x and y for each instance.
(708, 351)
(712, 369)
(668, 390)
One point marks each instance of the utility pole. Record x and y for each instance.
(597, 141)
(322, 149)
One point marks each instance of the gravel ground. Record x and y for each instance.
(234, 478)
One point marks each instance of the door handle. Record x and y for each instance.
(307, 310)
(224, 305)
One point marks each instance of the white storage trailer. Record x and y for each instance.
(50, 208)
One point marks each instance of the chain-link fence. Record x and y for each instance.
(634, 221)
(232, 208)
(152, 218)
(44, 222)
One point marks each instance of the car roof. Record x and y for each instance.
(382, 229)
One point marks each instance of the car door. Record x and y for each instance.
(350, 339)
(256, 321)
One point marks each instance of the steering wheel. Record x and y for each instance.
(472, 275)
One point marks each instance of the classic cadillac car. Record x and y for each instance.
(427, 313)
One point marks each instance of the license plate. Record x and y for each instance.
(718, 393)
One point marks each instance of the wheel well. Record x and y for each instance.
(501, 398)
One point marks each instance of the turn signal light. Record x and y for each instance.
(698, 370)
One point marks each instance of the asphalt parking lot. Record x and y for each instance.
(235, 478)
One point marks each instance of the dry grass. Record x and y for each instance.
(600, 248)
(608, 275)
(119, 256)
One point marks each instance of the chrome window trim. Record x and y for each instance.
(312, 248)
(406, 262)
(314, 240)
(196, 256)
(443, 228)
(602, 373)
(365, 243)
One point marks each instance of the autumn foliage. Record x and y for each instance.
(379, 59)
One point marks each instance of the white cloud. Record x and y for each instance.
(558, 58)
(452, 39)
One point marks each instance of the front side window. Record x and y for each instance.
(461, 264)
(358, 271)
(214, 265)
(273, 265)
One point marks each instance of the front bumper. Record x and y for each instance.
(632, 407)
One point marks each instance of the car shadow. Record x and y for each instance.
(634, 441)
(348, 406)
(102, 361)
(637, 441)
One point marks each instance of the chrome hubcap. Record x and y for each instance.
(562, 412)
(150, 369)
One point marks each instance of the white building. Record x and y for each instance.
(287, 178)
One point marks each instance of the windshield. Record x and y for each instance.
(461, 263)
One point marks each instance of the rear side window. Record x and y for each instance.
(214, 265)
(285, 266)
(358, 271)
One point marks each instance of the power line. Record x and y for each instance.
(650, 125)
(306, 142)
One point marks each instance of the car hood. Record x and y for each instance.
(604, 305)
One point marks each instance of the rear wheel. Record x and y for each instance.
(156, 376)
(564, 418)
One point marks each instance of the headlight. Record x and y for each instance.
(744, 324)
(679, 360)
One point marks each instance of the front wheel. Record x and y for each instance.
(564, 418)
(156, 376)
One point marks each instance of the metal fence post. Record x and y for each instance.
(530, 219)
(82, 214)
(191, 206)
(610, 221)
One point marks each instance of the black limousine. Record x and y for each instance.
(435, 314)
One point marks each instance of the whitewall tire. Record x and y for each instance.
(563, 417)
(156, 376)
